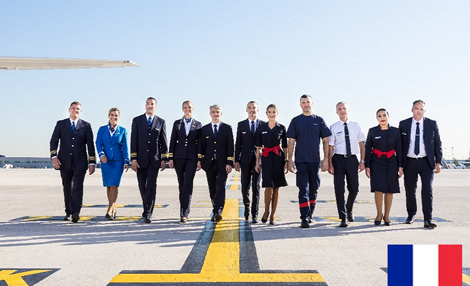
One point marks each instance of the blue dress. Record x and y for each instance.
(383, 169)
(116, 151)
(273, 164)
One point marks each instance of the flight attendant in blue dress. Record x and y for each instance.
(271, 146)
(111, 144)
(383, 164)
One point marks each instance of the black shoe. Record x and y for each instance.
(67, 217)
(387, 223)
(429, 224)
(271, 222)
(311, 220)
(350, 217)
(114, 214)
(147, 220)
(212, 217)
(247, 213)
(343, 223)
(183, 219)
(304, 223)
(218, 217)
(108, 217)
(409, 219)
(255, 220)
(75, 217)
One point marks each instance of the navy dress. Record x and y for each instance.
(383, 169)
(272, 165)
(116, 151)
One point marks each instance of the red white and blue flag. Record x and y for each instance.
(426, 265)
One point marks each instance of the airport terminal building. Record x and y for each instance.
(25, 162)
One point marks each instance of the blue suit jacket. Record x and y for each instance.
(220, 148)
(245, 148)
(431, 137)
(73, 147)
(115, 147)
(148, 145)
(184, 146)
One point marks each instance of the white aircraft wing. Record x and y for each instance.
(12, 63)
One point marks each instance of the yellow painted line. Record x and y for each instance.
(128, 218)
(234, 187)
(222, 261)
(16, 279)
(465, 278)
(33, 218)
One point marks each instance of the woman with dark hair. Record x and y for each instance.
(383, 164)
(271, 143)
(111, 144)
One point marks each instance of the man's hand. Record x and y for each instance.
(331, 169)
(368, 172)
(135, 165)
(437, 170)
(324, 166)
(56, 163)
(199, 166)
(170, 164)
(361, 167)
(91, 169)
(228, 168)
(237, 167)
(162, 165)
(291, 166)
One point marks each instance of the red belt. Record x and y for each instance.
(266, 150)
(380, 153)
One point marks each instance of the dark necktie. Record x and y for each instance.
(215, 130)
(149, 121)
(73, 127)
(253, 128)
(187, 120)
(348, 142)
(111, 129)
(417, 139)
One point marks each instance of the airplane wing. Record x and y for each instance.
(12, 63)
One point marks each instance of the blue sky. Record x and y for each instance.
(370, 54)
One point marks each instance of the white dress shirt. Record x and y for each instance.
(422, 149)
(338, 140)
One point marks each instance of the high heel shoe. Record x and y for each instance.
(108, 217)
(263, 219)
(271, 222)
(387, 223)
(378, 222)
(114, 215)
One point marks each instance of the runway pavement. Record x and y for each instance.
(38, 248)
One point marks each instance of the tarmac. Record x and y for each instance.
(38, 248)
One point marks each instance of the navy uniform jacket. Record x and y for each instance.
(115, 147)
(148, 145)
(431, 137)
(73, 147)
(245, 147)
(220, 148)
(184, 146)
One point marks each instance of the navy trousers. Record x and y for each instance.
(185, 171)
(250, 178)
(216, 179)
(308, 182)
(147, 179)
(421, 167)
(72, 182)
(345, 167)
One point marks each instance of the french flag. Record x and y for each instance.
(426, 265)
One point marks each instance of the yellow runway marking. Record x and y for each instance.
(222, 261)
(465, 279)
(16, 279)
